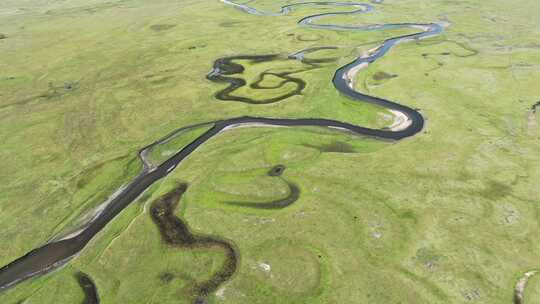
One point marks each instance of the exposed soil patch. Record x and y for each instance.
(175, 232)
(88, 287)
(520, 287)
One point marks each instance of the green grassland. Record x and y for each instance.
(448, 216)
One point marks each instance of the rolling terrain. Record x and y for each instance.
(423, 190)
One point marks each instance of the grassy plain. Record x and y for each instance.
(449, 216)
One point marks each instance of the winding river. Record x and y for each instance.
(58, 252)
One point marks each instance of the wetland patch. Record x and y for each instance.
(175, 232)
(291, 198)
(88, 287)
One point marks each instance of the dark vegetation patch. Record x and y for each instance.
(88, 287)
(315, 61)
(535, 106)
(380, 75)
(468, 50)
(334, 147)
(174, 232)
(276, 170)
(495, 190)
(161, 27)
(409, 215)
(166, 277)
(292, 197)
(3, 36)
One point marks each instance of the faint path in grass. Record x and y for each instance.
(128, 227)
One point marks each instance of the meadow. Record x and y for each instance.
(447, 216)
